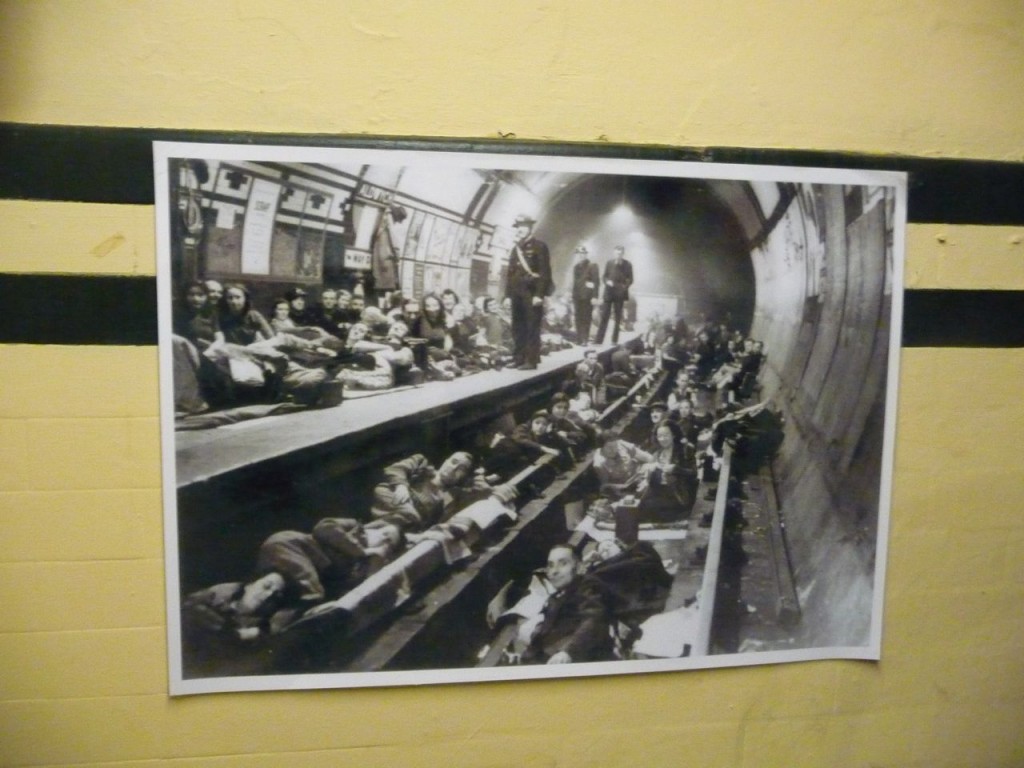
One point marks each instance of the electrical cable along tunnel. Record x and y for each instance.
(805, 268)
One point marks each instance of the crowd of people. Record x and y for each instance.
(588, 598)
(228, 353)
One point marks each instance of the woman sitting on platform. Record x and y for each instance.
(433, 326)
(194, 319)
(240, 323)
(197, 381)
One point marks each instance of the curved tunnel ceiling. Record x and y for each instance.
(688, 238)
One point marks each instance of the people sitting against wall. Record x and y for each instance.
(415, 495)
(266, 366)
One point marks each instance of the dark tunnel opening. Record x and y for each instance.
(683, 241)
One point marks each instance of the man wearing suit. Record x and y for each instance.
(529, 283)
(585, 287)
(618, 276)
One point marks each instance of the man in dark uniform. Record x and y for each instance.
(586, 278)
(529, 283)
(618, 276)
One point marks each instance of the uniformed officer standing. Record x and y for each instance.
(529, 282)
(586, 281)
(618, 276)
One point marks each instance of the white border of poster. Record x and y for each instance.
(423, 250)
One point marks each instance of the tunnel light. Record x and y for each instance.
(623, 214)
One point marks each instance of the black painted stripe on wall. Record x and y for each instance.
(946, 318)
(122, 311)
(115, 165)
(78, 309)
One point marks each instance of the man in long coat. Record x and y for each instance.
(618, 276)
(586, 284)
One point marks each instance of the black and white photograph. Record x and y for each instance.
(435, 416)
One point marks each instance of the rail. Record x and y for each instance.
(709, 584)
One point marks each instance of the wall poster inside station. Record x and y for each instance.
(537, 416)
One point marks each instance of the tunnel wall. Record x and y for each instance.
(82, 633)
(823, 297)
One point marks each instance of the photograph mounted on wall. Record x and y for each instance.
(435, 417)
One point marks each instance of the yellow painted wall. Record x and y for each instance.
(82, 649)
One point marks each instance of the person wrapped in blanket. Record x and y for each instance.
(294, 570)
